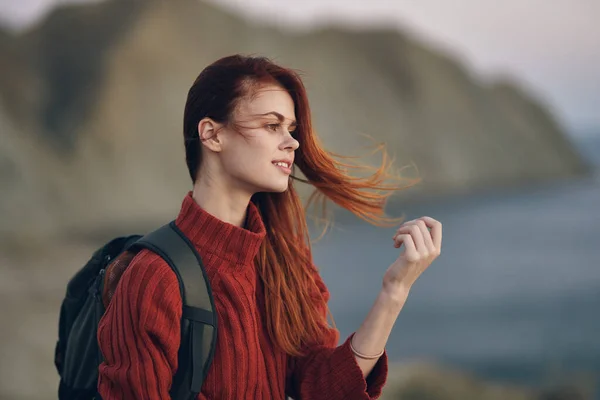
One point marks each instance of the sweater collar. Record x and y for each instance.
(224, 240)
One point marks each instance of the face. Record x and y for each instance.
(256, 152)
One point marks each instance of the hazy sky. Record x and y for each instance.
(552, 46)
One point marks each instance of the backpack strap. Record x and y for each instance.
(199, 319)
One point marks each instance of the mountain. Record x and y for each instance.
(91, 105)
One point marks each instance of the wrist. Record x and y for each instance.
(398, 285)
(394, 295)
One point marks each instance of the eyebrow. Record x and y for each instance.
(280, 117)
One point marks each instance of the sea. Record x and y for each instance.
(515, 294)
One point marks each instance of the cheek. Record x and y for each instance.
(248, 161)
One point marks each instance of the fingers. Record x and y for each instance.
(409, 244)
(436, 231)
(426, 236)
(416, 234)
(426, 242)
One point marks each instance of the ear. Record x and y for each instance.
(208, 131)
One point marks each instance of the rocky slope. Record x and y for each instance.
(92, 102)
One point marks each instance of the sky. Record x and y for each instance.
(552, 47)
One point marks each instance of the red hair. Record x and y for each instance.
(285, 259)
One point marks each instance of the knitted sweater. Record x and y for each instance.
(139, 334)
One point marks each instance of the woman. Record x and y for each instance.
(247, 125)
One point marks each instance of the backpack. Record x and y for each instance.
(77, 354)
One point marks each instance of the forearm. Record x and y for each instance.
(375, 330)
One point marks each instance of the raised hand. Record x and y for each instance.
(422, 240)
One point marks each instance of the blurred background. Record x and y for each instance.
(494, 105)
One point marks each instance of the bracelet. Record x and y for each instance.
(364, 356)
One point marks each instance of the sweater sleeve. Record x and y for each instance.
(139, 332)
(330, 372)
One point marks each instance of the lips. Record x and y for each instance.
(285, 164)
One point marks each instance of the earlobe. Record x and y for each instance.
(208, 131)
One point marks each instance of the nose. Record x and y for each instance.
(290, 143)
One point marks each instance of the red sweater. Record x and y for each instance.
(139, 334)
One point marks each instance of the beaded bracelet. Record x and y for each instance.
(364, 356)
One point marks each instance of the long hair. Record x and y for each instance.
(285, 260)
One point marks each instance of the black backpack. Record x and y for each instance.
(77, 354)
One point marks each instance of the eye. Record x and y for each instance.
(273, 127)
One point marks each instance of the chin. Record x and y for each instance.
(279, 190)
(276, 188)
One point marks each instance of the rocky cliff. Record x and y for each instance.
(91, 105)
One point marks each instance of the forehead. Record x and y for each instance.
(268, 98)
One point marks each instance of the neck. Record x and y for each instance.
(223, 203)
